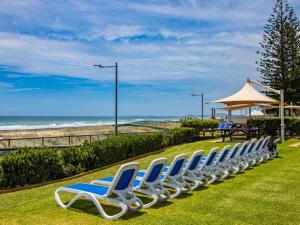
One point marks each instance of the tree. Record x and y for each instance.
(279, 62)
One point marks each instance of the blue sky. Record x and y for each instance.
(165, 50)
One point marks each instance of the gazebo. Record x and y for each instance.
(246, 97)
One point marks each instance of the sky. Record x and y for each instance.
(165, 49)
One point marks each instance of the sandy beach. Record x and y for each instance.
(60, 136)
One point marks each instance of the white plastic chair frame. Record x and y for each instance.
(177, 181)
(192, 175)
(125, 198)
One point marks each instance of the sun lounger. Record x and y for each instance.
(119, 192)
(190, 171)
(147, 182)
(207, 166)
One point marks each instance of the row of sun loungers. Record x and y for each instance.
(181, 175)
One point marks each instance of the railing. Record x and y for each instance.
(12, 144)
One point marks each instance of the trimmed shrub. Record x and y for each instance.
(78, 159)
(271, 125)
(110, 150)
(179, 135)
(37, 165)
(142, 144)
(30, 166)
(200, 124)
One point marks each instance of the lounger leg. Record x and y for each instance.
(177, 189)
(96, 203)
(154, 196)
(235, 169)
(213, 179)
(225, 174)
(130, 199)
(166, 195)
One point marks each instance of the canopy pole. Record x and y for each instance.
(229, 116)
(282, 115)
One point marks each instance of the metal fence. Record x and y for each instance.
(12, 144)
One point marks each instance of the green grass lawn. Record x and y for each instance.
(266, 194)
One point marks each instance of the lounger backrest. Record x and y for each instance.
(251, 146)
(265, 142)
(125, 176)
(224, 154)
(258, 144)
(234, 151)
(195, 160)
(243, 148)
(210, 157)
(155, 170)
(177, 165)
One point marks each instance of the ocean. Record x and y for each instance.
(43, 122)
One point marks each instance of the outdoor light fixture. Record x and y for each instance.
(196, 95)
(116, 92)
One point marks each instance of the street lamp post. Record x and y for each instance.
(116, 93)
(202, 98)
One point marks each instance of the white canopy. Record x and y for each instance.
(247, 95)
(256, 113)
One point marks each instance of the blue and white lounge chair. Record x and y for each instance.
(207, 166)
(191, 170)
(265, 153)
(239, 162)
(173, 176)
(119, 192)
(148, 182)
(255, 155)
(248, 158)
(274, 152)
(231, 161)
(221, 162)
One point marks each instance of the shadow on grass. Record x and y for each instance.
(184, 195)
(201, 188)
(240, 172)
(85, 206)
(229, 177)
(161, 204)
(217, 182)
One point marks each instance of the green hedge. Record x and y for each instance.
(180, 135)
(30, 166)
(36, 165)
(271, 125)
(200, 124)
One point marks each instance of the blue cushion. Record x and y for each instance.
(195, 162)
(110, 179)
(177, 167)
(154, 173)
(224, 155)
(92, 188)
(125, 179)
(211, 158)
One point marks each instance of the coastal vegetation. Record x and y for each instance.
(279, 62)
